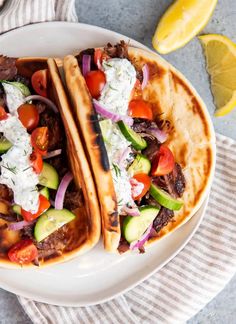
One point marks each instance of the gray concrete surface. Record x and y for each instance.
(137, 19)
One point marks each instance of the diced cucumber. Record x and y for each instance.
(45, 192)
(5, 145)
(164, 199)
(49, 177)
(20, 86)
(51, 221)
(135, 226)
(141, 164)
(16, 209)
(136, 140)
(106, 126)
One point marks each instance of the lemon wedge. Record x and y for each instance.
(220, 54)
(180, 23)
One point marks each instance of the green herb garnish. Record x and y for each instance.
(116, 169)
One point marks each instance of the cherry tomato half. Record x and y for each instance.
(37, 162)
(163, 163)
(29, 116)
(139, 108)
(44, 204)
(23, 252)
(95, 81)
(39, 140)
(3, 114)
(144, 180)
(39, 82)
(99, 56)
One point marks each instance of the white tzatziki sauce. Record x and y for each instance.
(16, 170)
(120, 81)
(14, 97)
(115, 96)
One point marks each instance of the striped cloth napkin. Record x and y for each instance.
(199, 272)
(188, 282)
(17, 13)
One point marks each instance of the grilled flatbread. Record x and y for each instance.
(81, 234)
(191, 139)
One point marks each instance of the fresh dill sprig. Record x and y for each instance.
(11, 169)
(116, 169)
(27, 168)
(107, 64)
(112, 88)
(120, 203)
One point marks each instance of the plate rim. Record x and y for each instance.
(183, 244)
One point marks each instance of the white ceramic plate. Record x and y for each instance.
(97, 276)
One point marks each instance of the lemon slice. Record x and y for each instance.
(220, 54)
(181, 22)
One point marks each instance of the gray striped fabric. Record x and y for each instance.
(187, 283)
(197, 274)
(16, 13)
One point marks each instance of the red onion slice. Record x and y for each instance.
(123, 156)
(43, 99)
(19, 225)
(59, 201)
(143, 239)
(131, 211)
(145, 70)
(100, 109)
(160, 135)
(86, 64)
(52, 154)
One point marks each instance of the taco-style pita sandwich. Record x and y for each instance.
(149, 141)
(48, 200)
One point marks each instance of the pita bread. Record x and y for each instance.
(192, 139)
(84, 232)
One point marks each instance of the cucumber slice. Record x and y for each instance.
(140, 165)
(17, 209)
(106, 126)
(5, 145)
(135, 226)
(45, 192)
(136, 140)
(20, 86)
(164, 199)
(49, 177)
(51, 221)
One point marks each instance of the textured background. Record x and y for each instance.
(137, 19)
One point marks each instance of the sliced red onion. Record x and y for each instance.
(19, 225)
(131, 211)
(52, 154)
(59, 200)
(100, 109)
(160, 135)
(153, 233)
(145, 70)
(52, 202)
(43, 99)
(123, 156)
(86, 64)
(143, 239)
